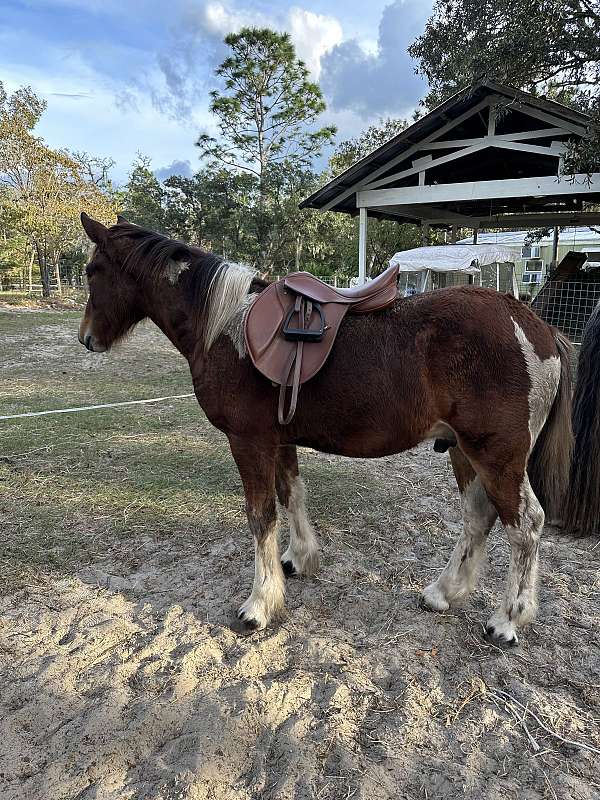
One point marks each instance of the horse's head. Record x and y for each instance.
(114, 305)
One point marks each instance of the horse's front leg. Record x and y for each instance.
(302, 555)
(257, 465)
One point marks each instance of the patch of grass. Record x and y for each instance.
(73, 487)
(68, 299)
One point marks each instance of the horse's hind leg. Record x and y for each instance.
(458, 577)
(256, 465)
(523, 521)
(302, 555)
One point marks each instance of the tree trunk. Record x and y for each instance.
(44, 275)
(298, 252)
(30, 271)
(57, 272)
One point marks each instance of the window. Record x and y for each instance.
(530, 251)
(532, 277)
(534, 265)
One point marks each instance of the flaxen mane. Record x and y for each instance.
(215, 288)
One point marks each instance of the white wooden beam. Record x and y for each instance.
(529, 148)
(481, 144)
(362, 246)
(467, 151)
(408, 153)
(430, 214)
(505, 137)
(506, 221)
(551, 119)
(492, 121)
(480, 190)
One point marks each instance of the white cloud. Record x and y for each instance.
(313, 35)
(378, 80)
(83, 114)
(221, 19)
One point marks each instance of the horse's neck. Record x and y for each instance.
(167, 308)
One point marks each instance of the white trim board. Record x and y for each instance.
(479, 190)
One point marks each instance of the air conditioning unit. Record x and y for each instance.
(532, 277)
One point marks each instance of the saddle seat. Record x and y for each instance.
(292, 325)
(367, 297)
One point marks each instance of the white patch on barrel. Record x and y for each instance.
(544, 377)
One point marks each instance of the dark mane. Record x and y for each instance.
(150, 255)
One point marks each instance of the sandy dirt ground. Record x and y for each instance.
(121, 679)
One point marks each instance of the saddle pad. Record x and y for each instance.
(269, 351)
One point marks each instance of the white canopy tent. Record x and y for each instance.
(464, 259)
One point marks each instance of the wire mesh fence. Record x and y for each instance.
(567, 305)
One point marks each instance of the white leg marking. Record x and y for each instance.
(459, 575)
(268, 590)
(519, 603)
(303, 551)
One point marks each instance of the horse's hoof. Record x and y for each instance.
(244, 625)
(432, 599)
(288, 569)
(501, 638)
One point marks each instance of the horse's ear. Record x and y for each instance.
(121, 219)
(94, 229)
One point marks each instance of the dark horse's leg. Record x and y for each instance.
(458, 577)
(256, 464)
(302, 556)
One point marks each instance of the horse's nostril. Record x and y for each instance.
(88, 341)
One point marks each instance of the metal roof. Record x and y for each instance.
(447, 111)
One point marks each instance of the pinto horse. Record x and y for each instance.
(469, 365)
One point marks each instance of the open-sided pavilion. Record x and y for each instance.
(491, 156)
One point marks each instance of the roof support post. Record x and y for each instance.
(555, 236)
(454, 234)
(362, 245)
(424, 233)
(475, 235)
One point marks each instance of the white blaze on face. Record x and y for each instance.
(544, 377)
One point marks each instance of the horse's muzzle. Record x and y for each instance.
(87, 342)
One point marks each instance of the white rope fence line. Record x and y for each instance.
(94, 408)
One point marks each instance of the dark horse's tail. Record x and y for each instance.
(564, 467)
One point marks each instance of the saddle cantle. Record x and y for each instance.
(291, 326)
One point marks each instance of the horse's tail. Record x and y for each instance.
(582, 507)
(550, 460)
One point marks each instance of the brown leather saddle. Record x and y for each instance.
(291, 326)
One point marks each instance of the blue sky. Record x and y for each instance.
(134, 76)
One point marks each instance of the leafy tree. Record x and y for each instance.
(550, 48)
(267, 114)
(384, 236)
(352, 150)
(142, 197)
(215, 209)
(43, 190)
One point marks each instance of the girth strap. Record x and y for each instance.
(303, 308)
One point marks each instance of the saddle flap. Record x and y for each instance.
(269, 351)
